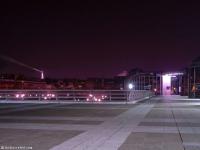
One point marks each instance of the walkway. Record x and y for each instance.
(161, 123)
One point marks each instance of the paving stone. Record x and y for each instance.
(161, 123)
(161, 141)
(37, 139)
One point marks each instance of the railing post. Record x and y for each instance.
(110, 96)
(56, 96)
(127, 97)
(74, 97)
(6, 96)
(39, 94)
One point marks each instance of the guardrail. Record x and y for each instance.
(75, 95)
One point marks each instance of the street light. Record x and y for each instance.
(130, 86)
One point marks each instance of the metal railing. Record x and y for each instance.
(75, 95)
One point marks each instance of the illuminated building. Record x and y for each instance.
(193, 79)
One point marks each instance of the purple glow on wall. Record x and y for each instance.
(166, 84)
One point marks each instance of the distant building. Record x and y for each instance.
(193, 78)
(13, 84)
(99, 83)
(144, 81)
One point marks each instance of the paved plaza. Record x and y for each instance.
(159, 123)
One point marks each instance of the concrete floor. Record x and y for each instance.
(161, 123)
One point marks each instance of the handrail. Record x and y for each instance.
(76, 95)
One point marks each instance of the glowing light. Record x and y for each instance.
(42, 75)
(174, 74)
(166, 84)
(130, 86)
(22, 95)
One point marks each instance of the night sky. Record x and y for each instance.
(99, 39)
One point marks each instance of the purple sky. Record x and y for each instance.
(99, 39)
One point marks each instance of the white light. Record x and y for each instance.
(22, 95)
(174, 74)
(166, 84)
(42, 75)
(130, 86)
(166, 79)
